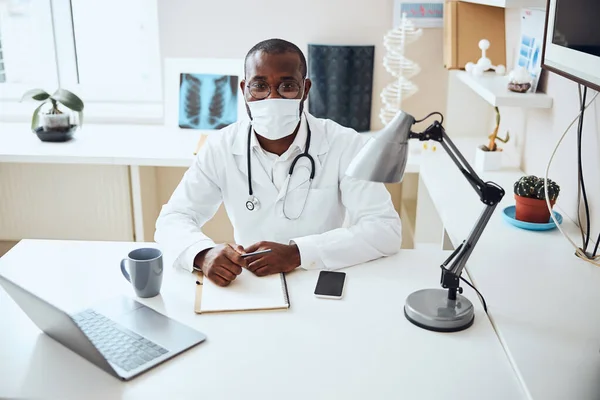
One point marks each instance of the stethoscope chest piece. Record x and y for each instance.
(252, 204)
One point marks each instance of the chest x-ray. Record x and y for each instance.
(207, 101)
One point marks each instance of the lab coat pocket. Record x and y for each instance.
(300, 179)
(309, 210)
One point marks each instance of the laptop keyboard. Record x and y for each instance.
(119, 345)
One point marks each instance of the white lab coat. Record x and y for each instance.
(219, 175)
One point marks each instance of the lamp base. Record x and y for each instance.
(432, 310)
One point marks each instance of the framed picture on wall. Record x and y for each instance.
(203, 94)
(423, 14)
(531, 41)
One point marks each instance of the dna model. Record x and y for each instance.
(401, 68)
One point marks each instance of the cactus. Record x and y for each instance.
(553, 190)
(533, 187)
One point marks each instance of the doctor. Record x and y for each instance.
(281, 179)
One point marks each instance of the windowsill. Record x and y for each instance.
(100, 113)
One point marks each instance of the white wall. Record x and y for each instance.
(534, 133)
(229, 28)
(543, 128)
(197, 29)
(191, 28)
(537, 132)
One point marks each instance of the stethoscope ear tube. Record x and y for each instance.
(312, 164)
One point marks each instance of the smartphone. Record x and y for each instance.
(330, 284)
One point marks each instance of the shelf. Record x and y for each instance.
(510, 3)
(492, 88)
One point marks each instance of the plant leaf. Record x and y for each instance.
(35, 118)
(36, 94)
(68, 99)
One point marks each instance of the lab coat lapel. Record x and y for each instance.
(259, 175)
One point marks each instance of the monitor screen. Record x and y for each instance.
(572, 41)
(577, 25)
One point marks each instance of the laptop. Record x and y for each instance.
(121, 336)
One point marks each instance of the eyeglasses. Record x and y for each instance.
(260, 90)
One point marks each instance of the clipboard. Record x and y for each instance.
(198, 298)
(247, 296)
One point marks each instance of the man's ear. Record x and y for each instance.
(242, 88)
(307, 86)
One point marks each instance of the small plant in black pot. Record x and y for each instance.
(55, 125)
(530, 199)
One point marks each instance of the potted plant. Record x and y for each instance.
(55, 125)
(530, 199)
(489, 158)
(520, 80)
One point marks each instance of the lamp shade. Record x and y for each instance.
(383, 158)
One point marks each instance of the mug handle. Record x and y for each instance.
(124, 270)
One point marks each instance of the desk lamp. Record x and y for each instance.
(383, 159)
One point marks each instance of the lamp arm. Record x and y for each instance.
(437, 133)
(489, 193)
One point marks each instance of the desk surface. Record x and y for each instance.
(139, 145)
(543, 300)
(355, 348)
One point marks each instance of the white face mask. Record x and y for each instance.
(275, 118)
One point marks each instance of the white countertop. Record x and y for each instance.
(152, 145)
(356, 348)
(543, 300)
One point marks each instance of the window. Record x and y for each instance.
(117, 49)
(2, 73)
(103, 50)
(27, 54)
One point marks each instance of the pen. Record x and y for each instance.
(256, 253)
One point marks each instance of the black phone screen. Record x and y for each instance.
(330, 283)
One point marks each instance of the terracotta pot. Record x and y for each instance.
(532, 210)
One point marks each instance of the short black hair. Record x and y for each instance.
(278, 46)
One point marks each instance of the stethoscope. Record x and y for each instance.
(253, 203)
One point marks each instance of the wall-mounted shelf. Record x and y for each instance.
(511, 3)
(492, 88)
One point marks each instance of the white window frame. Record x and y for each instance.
(67, 67)
(14, 91)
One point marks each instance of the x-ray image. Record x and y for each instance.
(207, 101)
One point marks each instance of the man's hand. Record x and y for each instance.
(282, 258)
(221, 264)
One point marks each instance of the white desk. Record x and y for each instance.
(356, 348)
(543, 301)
